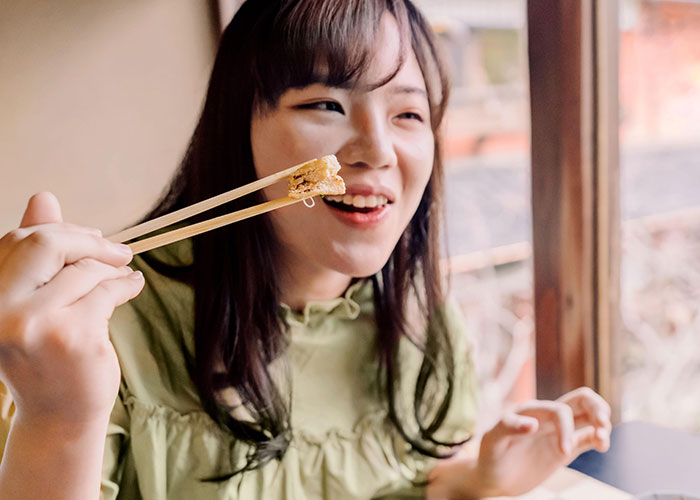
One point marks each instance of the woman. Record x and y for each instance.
(305, 354)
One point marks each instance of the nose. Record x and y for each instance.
(370, 145)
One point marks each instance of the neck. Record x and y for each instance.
(303, 282)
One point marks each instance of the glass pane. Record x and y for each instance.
(660, 162)
(488, 189)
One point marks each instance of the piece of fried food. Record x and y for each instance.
(316, 177)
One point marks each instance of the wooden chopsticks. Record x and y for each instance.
(202, 206)
(207, 225)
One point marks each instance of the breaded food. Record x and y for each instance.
(316, 177)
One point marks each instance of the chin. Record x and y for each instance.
(361, 266)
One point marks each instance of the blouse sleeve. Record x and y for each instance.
(115, 449)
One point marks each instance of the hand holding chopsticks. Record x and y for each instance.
(315, 177)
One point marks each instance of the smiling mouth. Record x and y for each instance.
(357, 203)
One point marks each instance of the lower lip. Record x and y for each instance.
(358, 219)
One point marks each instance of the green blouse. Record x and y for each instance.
(161, 443)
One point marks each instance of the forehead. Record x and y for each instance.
(354, 52)
(409, 78)
(386, 55)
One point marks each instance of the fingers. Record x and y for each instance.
(75, 281)
(591, 438)
(16, 236)
(588, 406)
(35, 259)
(581, 419)
(110, 294)
(592, 416)
(43, 208)
(512, 423)
(558, 415)
(602, 439)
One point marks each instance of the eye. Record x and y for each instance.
(411, 116)
(324, 106)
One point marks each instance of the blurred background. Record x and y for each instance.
(99, 98)
(98, 101)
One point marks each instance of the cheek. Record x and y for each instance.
(268, 159)
(418, 166)
(272, 151)
(280, 140)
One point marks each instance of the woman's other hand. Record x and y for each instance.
(526, 447)
(59, 285)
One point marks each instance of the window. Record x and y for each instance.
(660, 172)
(486, 141)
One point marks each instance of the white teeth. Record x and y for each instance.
(360, 201)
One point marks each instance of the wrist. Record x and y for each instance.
(62, 458)
(69, 439)
(66, 428)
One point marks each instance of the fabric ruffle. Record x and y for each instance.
(345, 307)
(174, 452)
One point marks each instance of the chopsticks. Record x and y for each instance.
(207, 225)
(202, 206)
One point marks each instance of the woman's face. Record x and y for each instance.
(385, 145)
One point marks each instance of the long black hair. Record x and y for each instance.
(271, 46)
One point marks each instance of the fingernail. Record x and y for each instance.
(136, 275)
(122, 249)
(601, 434)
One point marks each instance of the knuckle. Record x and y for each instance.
(102, 244)
(564, 411)
(56, 338)
(109, 292)
(75, 227)
(13, 237)
(86, 265)
(107, 287)
(17, 327)
(103, 349)
(585, 392)
(42, 239)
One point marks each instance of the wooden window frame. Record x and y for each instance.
(573, 60)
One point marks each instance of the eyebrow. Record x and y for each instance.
(399, 89)
(407, 89)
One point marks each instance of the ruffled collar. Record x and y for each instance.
(357, 296)
(348, 306)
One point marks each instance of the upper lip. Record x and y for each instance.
(367, 190)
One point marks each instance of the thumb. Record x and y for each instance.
(43, 208)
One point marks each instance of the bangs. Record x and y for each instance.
(340, 36)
